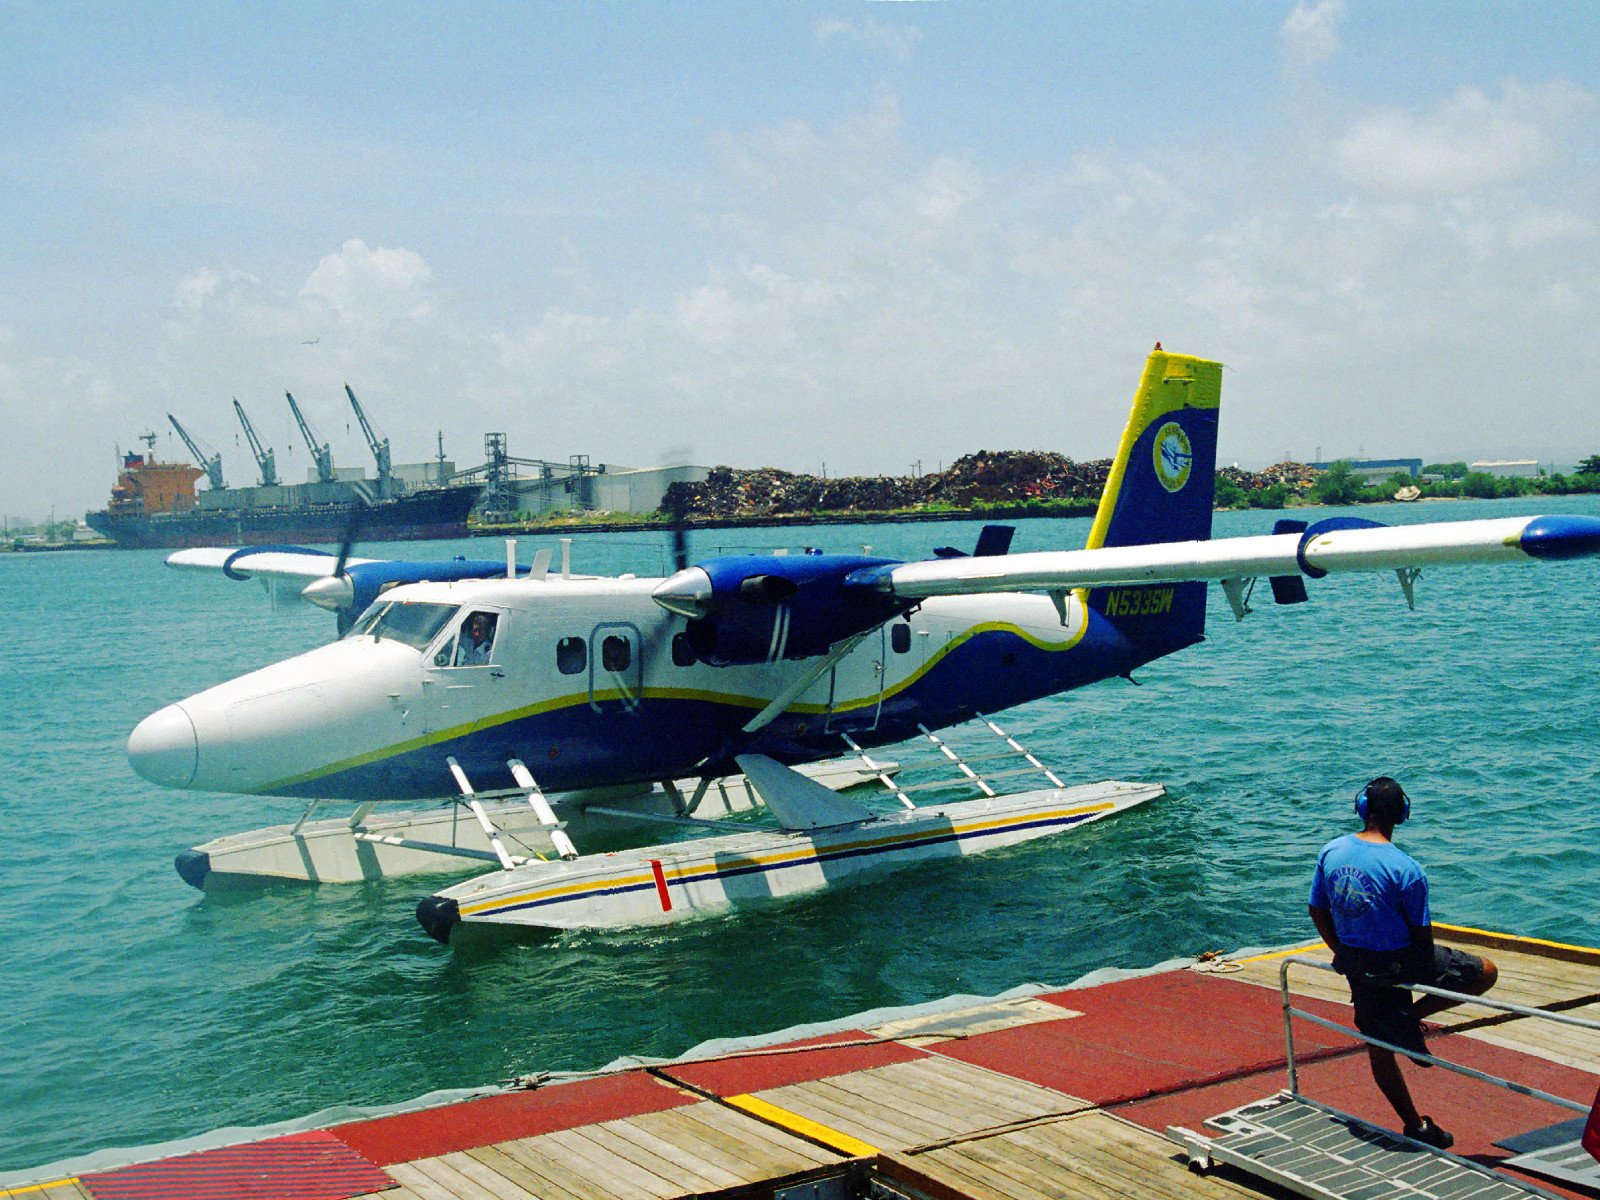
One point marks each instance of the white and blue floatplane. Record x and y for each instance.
(548, 692)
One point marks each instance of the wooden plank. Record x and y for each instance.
(816, 1101)
(519, 1173)
(928, 1116)
(417, 1181)
(960, 1075)
(931, 1179)
(616, 1175)
(730, 1131)
(1010, 1159)
(674, 1179)
(53, 1189)
(1103, 1166)
(751, 1134)
(492, 1181)
(1563, 1044)
(642, 1168)
(452, 1180)
(555, 1167)
(970, 1099)
(978, 1179)
(707, 1166)
(1117, 1158)
(1491, 940)
(931, 1102)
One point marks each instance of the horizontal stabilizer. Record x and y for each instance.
(797, 802)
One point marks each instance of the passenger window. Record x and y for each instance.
(683, 654)
(615, 653)
(572, 655)
(900, 638)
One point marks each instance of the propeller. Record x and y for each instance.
(346, 614)
(678, 514)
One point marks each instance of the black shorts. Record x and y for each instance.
(1385, 1010)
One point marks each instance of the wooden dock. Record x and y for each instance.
(1066, 1094)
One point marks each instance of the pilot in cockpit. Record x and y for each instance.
(476, 641)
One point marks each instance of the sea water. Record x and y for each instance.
(137, 1010)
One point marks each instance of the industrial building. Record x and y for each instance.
(1375, 470)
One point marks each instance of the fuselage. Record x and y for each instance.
(591, 683)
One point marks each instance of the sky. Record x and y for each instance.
(859, 235)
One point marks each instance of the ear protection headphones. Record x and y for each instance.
(1363, 805)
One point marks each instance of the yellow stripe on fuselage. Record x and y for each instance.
(615, 695)
(724, 865)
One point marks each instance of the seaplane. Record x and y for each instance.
(513, 702)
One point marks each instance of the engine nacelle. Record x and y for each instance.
(765, 608)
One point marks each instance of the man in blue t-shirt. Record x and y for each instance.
(1369, 901)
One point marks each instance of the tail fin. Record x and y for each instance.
(1162, 488)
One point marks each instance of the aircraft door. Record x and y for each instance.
(856, 685)
(465, 669)
(616, 667)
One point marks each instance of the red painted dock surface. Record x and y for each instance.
(986, 1102)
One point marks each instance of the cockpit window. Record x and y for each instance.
(473, 643)
(410, 622)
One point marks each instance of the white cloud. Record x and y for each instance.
(899, 41)
(1466, 142)
(1309, 35)
(373, 287)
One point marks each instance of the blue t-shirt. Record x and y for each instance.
(1376, 892)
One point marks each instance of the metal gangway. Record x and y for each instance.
(1316, 1150)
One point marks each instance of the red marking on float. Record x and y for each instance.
(661, 885)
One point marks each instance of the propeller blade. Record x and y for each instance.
(351, 532)
(678, 510)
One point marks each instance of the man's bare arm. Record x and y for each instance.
(1323, 920)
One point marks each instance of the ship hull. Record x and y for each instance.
(437, 513)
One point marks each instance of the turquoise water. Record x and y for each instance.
(138, 1010)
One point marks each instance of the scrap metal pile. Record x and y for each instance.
(1297, 477)
(998, 477)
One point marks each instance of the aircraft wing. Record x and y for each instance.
(284, 564)
(1335, 545)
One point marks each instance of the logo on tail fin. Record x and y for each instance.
(1173, 456)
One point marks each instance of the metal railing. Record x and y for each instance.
(1521, 1010)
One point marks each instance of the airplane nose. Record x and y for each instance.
(163, 748)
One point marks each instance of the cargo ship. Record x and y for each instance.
(155, 505)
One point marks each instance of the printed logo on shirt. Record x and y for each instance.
(1351, 891)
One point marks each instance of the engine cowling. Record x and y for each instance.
(766, 608)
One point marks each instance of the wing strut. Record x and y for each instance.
(780, 703)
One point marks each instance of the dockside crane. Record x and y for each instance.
(321, 453)
(264, 460)
(380, 448)
(212, 466)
